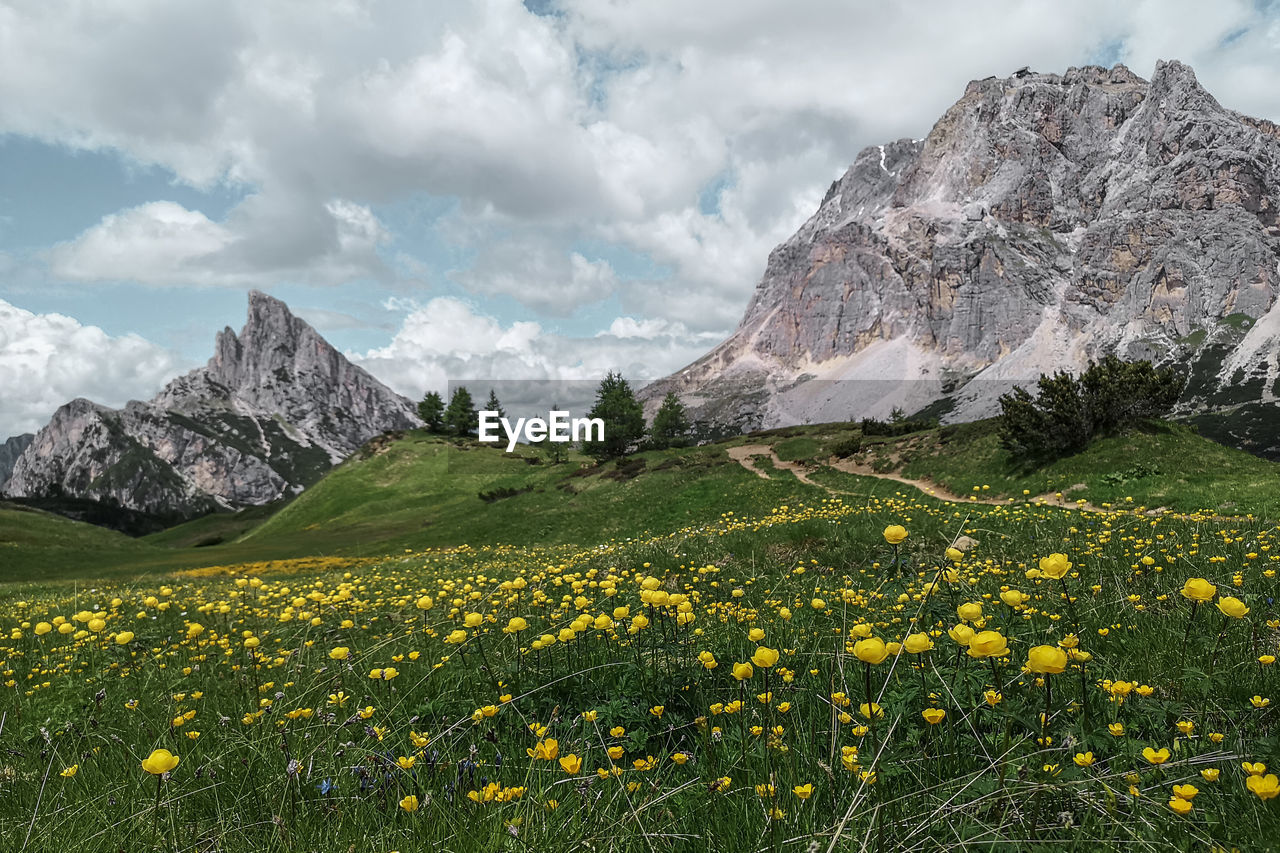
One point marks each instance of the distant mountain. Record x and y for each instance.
(1045, 220)
(10, 450)
(273, 409)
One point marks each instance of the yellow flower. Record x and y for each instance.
(917, 643)
(1186, 792)
(804, 792)
(871, 650)
(473, 620)
(515, 625)
(962, 634)
(1180, 805)
(616, 752)
(456, 637)
(1186, 726)
(1012, 597)
(1199, 589)
(933, 716)
(1233, 607)
(1083, 759)
(955, 555)
(765, 657)
(1210, 774)
(987, 644)
(70, 771)
(970, 611)
(1156, 756)
(818, 604)
(869, 710)
(657, 710)
(1264, 787)
(1046, 660)
(571, 763)
(590, 716)
(339, 653)
(755, 635)
(1055, 566)
(1116, 729)
(992, 697)
(1259, 702)
(409, 803)
(124, 638)
(742, 671)
(1254, 768)
(894, 534)
(159, 761)
(547, 750)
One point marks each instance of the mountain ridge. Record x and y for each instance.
(274, 408)
(1045, 220)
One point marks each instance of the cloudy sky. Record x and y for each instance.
(481, 189)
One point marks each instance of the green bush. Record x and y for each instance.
(1069, 412)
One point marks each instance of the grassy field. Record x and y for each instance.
(563, 665)
(420, 491)
(1165, 465)
(558, 698)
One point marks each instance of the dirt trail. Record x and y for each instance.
(743, 454)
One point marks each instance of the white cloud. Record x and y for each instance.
(602, 124)
(48, 359)
(538, 276)
(163, 243)
(447, 340)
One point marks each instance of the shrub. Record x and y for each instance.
(847, 446)
(1069, 412)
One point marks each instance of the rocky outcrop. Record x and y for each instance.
(10, 450)
(1045, 220)
(273, 409)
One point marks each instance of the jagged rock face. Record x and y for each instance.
(10, 450)
(274, 408)
(1045, 220)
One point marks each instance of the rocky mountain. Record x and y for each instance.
(1045, 220)
(10, 450)
(273, 409)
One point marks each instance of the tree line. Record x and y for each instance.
(625, 429)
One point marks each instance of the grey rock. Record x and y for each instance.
(1044, 221)
(10, 450)
(273, 409)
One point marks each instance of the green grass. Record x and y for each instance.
(799, 448)
(1167, 465)
(423, 491)
(420, 491)
(284, 763)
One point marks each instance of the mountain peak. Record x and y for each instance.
(274, 407)
(1043, 221)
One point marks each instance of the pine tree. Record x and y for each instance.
(431, 410)
(670, 424)
(461, 417)
(623, 418)
(492, 405)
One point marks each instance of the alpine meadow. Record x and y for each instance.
(539, 505)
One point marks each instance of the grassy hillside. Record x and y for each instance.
(34, 543)
(423, 491)
(1167, 465)
(418, 492)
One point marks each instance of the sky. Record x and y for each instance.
(475, 190)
